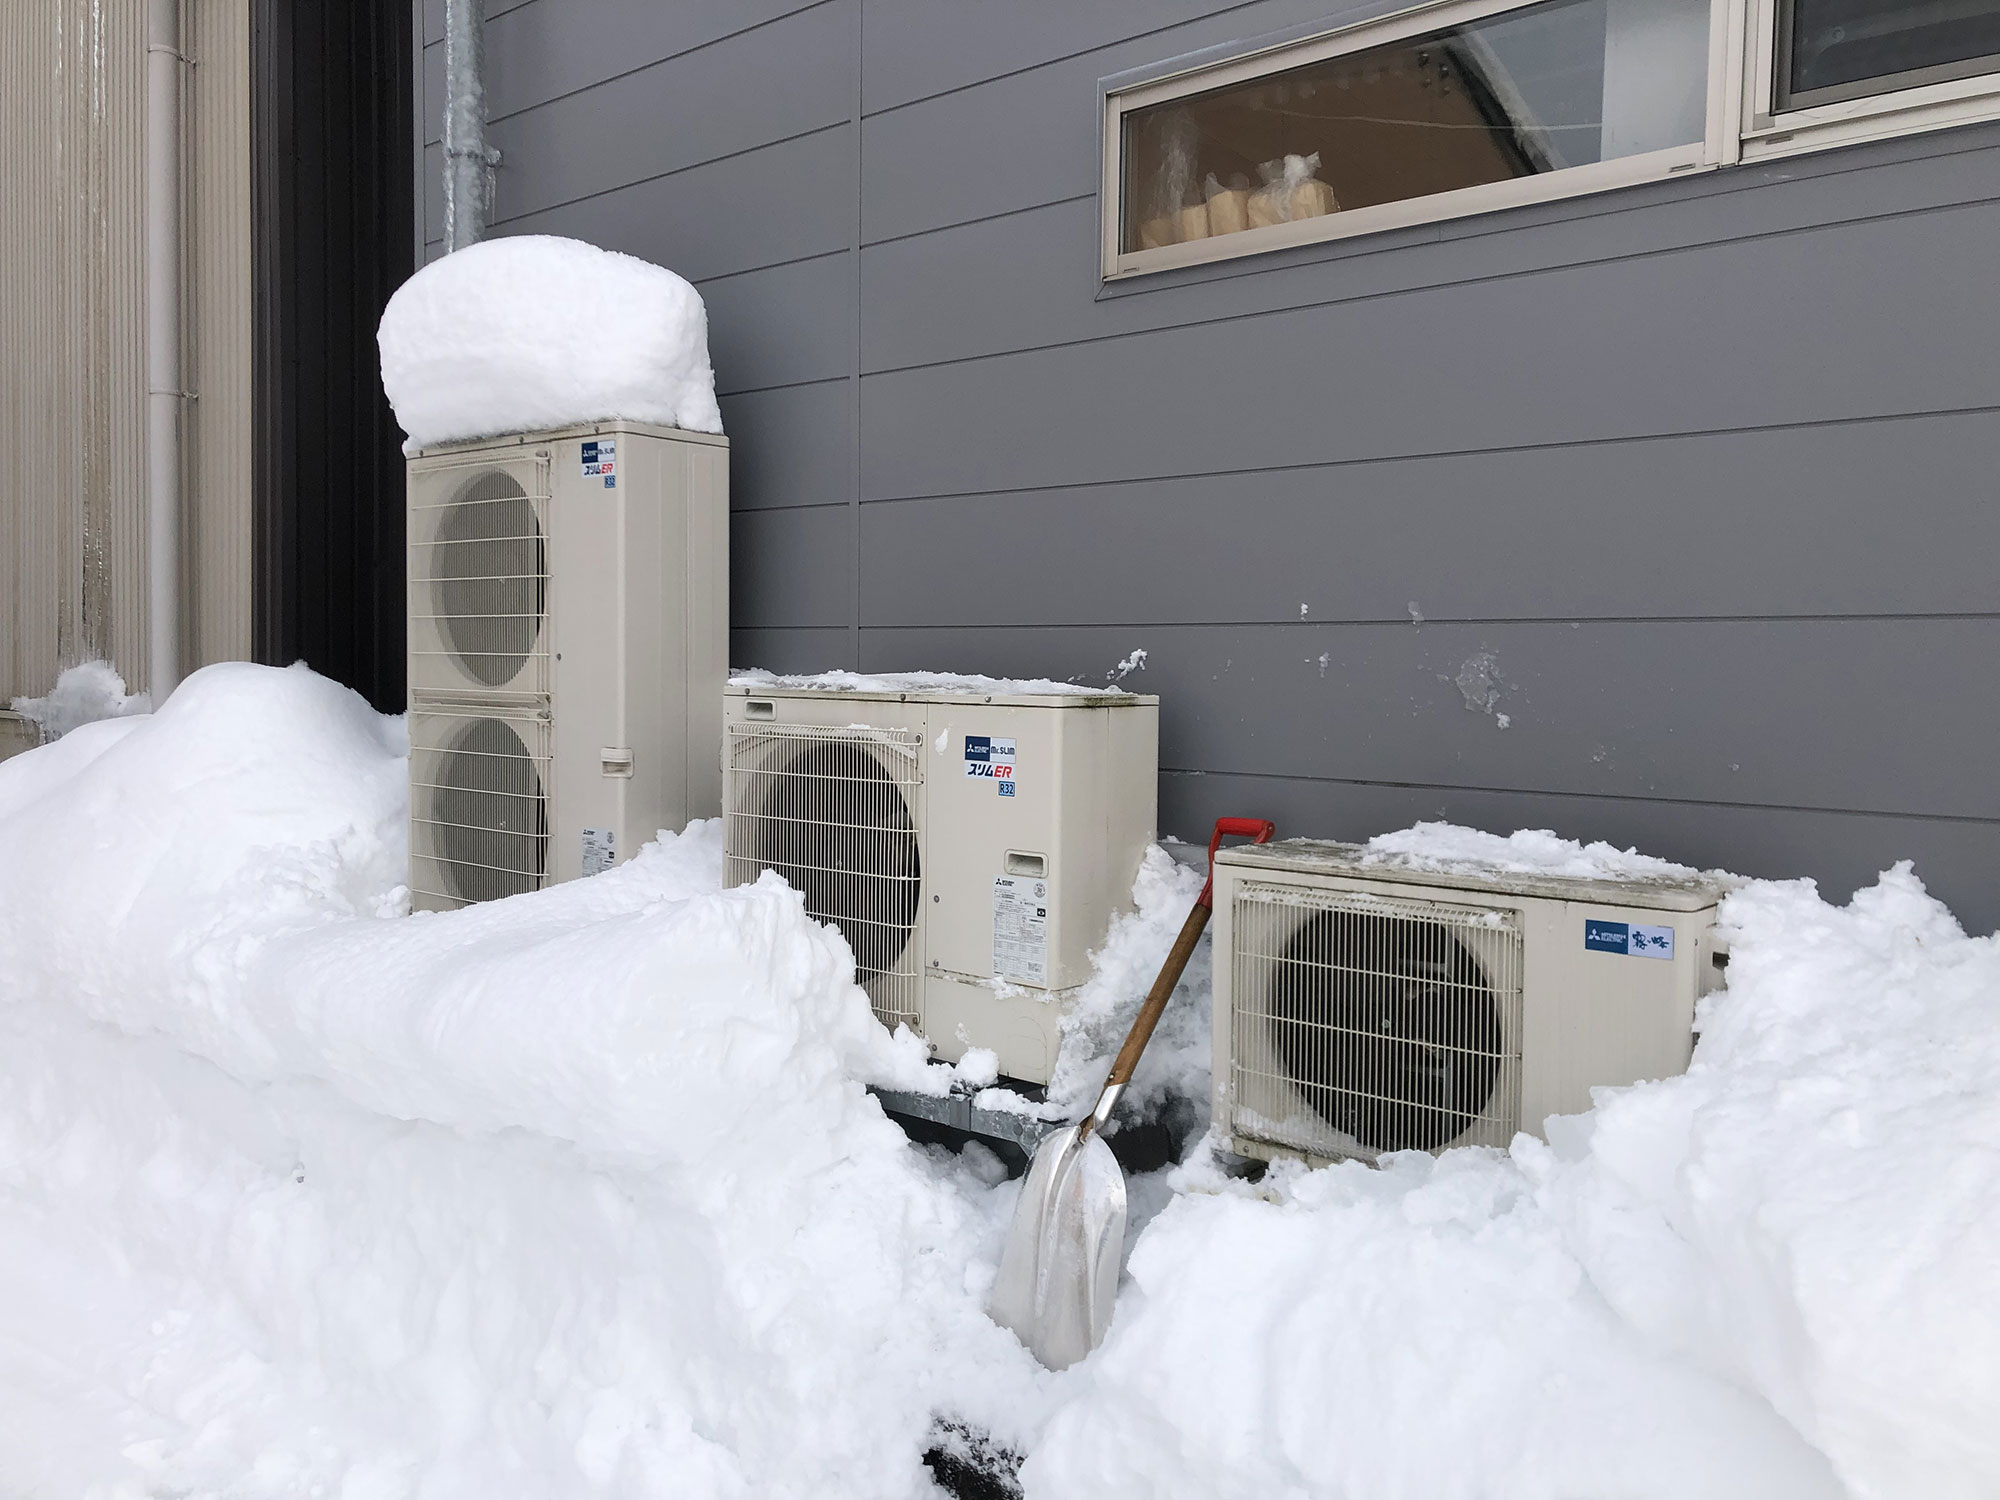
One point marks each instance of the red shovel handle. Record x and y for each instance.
(1257, 830)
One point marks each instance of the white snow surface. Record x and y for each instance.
(536, 331)
(580, 1193)
(83, 694)
(1531, 851)
(912, 682)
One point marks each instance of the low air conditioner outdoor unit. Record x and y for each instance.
(1364, 1006)
(568, 624)
(972, 847)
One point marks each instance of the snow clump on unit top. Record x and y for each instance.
(1531, 851)
(969, 683)
(534, 331)
(83, 694)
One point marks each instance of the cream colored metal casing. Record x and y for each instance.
(1567, 1014)
(568, 627)
(1028, 813)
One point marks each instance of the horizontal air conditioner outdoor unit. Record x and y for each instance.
(1364, 1006)
(568, 624)
(972, 847)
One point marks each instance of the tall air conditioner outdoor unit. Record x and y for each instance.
(1364, 1006)
(568, 626)
(972, 847)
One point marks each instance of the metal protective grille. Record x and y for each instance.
(833, 810)
(479, 810)
(479, 584)
(1362, 1024)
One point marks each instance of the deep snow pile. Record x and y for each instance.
(579, 1193)
(569, 1194)
(1778, 1275)
(536, 331)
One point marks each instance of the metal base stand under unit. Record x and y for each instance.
(569, 625)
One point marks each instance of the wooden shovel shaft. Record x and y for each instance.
(1156, 1002)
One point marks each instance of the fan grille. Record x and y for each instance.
(1365, 1024)
(488, 568)
(479, 807)
(830, 809)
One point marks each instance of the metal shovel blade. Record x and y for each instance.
(1059, 1271)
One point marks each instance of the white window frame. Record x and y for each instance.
(1816, 127)
(1741, 126)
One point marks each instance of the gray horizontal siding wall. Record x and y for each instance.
(1703, 471)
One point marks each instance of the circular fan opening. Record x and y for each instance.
(490, 578)
(491, 817)
(1390, 1025)
(835, 825)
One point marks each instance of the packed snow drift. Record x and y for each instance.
(536, 331)
(581, 1193)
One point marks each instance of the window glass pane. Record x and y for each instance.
(1843, 49)
(1536, 90)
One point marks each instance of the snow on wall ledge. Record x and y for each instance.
(580, 1193)
(536, 331)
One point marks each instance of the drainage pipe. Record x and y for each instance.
(468, 164)
(164, 384)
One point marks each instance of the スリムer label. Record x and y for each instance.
(600, 456)
(990, 759)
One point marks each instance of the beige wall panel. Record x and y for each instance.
(216, 614)
(73, 574)
(71, 117)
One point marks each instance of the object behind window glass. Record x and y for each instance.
(1847, 49)
(1557, 85)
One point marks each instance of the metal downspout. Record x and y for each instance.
(468, 163)
(165, 392)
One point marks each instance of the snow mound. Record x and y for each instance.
(83, 694)
(535, 331)
(1774, 1276)
(915, 682)
(579, 1192)
(1532, 851)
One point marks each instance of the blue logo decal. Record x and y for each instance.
(978, 747)
(1606, 937)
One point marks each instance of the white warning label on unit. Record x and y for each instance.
(600, 850)
(1021, 929)
(600, 456)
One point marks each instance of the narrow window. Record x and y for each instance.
(1531, 91)
(1830, 50)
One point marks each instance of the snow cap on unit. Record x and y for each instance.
(536, 331)
(916, 682)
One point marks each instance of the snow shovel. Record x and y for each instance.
(1059, 1270)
